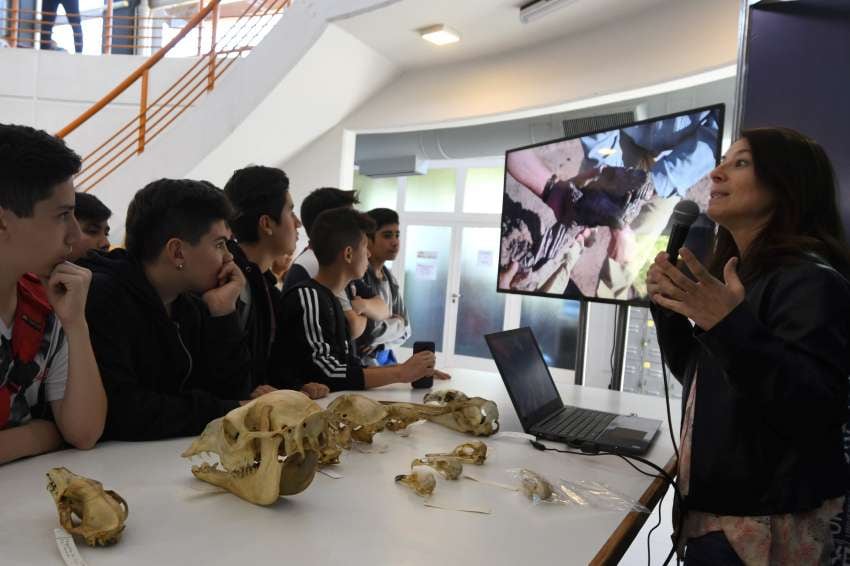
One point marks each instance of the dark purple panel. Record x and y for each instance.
(799, 76)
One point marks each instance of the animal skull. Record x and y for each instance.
(361, 417)
(456, 411)
(101, 513)
(535, 486)
(468, 453)
(420, 481)
(267, 448)
(449, 468)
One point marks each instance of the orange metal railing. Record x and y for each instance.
(155, 116)
(28, 28)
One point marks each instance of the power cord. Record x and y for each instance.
(627, 459)
(681, 509)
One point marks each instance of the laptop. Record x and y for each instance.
(541, 411)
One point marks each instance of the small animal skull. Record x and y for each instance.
(267, 448)
(469, 453)
(535, 486)
(449, 468)
(101, 514)
(420, 481)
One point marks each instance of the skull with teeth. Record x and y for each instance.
(100, 513)
(267, 448)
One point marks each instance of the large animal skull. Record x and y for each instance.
(267, 448)
(101, 513)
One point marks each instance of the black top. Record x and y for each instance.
(317, 345)
(771, 397)
(260, 329)
(164, 376)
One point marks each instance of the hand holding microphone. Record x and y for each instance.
(706, 300)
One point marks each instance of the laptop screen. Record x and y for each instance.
(525, 374)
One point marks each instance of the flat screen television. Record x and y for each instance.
(583, 217)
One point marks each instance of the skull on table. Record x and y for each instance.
(101, 513)
(267, 448)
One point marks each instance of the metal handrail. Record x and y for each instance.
(154, 117)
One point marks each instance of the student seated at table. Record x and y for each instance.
(93, 217)
(163, 315)
(318, 344)
(265, 227)
(50, 387)
(358, 310)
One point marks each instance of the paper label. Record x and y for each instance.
(68, 548)
(485, 258)
(330, 473)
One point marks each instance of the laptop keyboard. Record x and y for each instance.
(574, 423)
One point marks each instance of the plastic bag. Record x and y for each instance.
(584, 493)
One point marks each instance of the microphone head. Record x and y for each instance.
(685, 212)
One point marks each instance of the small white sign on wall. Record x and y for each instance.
(485, 258)
(426, 265)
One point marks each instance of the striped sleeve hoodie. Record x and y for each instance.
(314, 344)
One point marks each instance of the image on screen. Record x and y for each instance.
(584, 217)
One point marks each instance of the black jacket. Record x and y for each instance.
(771, 396)
(261, 327)
(317, 344)
(164, 377)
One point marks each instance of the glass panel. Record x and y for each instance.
(434, 192)
(555, 325)
(642, 364)
(426, 273)
(480, 309)
(376, 193)
(483, 191)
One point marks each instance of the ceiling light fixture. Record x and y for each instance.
(439, 34)
(537, 9)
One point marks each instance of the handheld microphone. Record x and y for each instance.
(684, 215)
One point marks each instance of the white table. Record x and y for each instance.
(362, 518)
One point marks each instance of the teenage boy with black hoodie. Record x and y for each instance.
(265, 227)
(50, 388)
(319, 347)
(163, 315)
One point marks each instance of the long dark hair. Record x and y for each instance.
(805, 219)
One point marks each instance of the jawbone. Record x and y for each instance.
(260, 484)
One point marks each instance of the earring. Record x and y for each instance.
(179, 267)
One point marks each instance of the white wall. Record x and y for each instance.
(49, 89)
(336, 76)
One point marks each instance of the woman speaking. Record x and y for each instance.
(764, 359)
